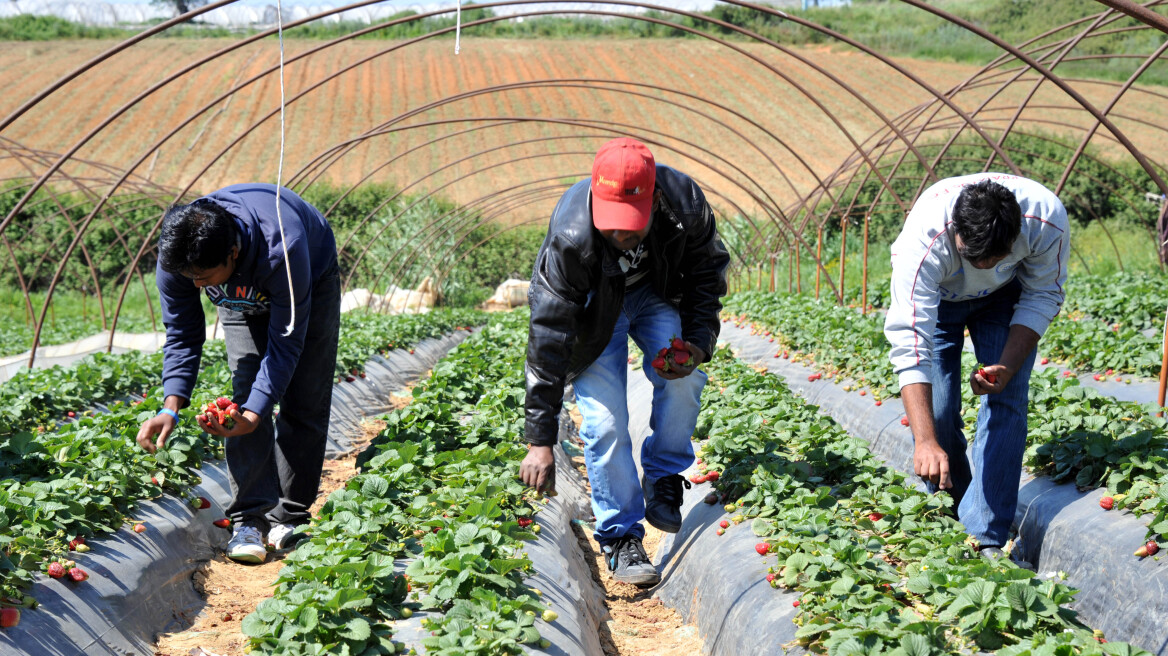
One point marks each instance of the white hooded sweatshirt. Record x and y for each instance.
(927, 269)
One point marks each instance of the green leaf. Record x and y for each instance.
(915, 644)
(1020, 596)
(375, 486)
(357, 629)
(466, 534)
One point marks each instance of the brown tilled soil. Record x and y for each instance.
(396, 80)
(233, 590)
(639, 624)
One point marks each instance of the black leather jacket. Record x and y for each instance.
(578, 288)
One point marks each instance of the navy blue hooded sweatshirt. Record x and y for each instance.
(259, 285)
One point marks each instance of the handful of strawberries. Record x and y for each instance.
(221, 409)
(673, 357)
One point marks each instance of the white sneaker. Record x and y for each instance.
(283, 536)
(247, 545)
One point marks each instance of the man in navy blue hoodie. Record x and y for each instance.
(277, 290)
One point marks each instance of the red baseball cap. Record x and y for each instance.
(623, 175)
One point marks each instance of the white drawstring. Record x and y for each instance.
(457, 26)
(280, 171)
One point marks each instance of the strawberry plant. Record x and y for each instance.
(437, 488)
(365, 335)
(908, 580)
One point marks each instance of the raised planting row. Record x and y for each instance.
(1135, 299)
(1059, 528)
(438, 488)
(1075, 434)
(364, 335)
(63, 484)
(878, 567)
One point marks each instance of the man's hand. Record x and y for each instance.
(538, 469)
(245, 423)
(696, 357)
(160, 425)
(1000, 373)
(931, 463)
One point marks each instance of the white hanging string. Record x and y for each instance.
(280, 171)
(457, 26)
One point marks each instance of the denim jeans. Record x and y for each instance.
(987, 496)
(275, 470)
(602, 397)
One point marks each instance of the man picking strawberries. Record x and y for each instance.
(276, 284)
(632, 252)
(987, 252)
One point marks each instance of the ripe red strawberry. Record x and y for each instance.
(71, 414)
(74, 542)
(349, 379)
(202, 503)
(762, 548)
(56, 570)
(863, 392)
(724, 524)
(812, 377)
(678, 344)
(223, 402)
(770, 577)
(154, 481)
(1044, 361)
(778, 355)
(659, 363)
(1110, 372)
(524, 522)
(875, 516)
(222, 523)
(9, 617)
(796, 603)
(713, 476)
(681, 357)
(697, 479)
(77, 574)
(139, 528)
(879, 402)
(904, 421)
(992, 378)
(1107, 503)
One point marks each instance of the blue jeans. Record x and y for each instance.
(602, 397)
(986, 501)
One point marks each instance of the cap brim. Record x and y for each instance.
(615, 215)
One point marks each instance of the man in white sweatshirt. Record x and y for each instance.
(987, 252)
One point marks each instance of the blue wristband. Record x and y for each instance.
(168, 411)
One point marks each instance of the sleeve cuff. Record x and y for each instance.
(913, 375)
(1031, 319)
(536, 434)
(259, 403)
(177, 387)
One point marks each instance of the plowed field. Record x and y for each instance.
(203, 141)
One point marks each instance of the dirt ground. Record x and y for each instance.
(639, 623)
(233, 590)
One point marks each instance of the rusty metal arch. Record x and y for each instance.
(900, 134)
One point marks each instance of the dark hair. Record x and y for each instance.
(988, 220)
(195, 237)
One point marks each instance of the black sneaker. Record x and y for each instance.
(663, 501)
(628, 562)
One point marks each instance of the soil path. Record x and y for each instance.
(233, 590)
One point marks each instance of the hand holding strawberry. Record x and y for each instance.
(225, 419)
(678, 360)
(989, 379)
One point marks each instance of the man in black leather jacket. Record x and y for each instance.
(632, 252)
